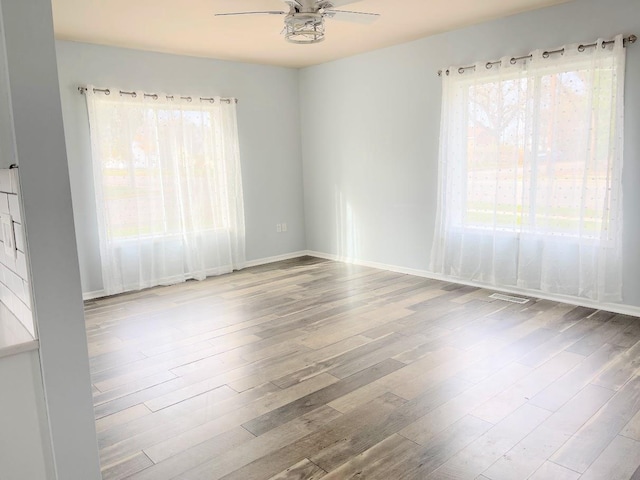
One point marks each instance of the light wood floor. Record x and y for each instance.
(310, 369)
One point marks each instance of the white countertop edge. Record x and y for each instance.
(19, 348)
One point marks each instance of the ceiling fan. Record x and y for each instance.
(304, 22)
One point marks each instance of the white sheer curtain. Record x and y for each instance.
(168, 188)
(530, 171)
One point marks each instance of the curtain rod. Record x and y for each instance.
(155, 96)
(581, 48)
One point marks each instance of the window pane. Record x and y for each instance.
(495, 161)
(153, 183)
(529, 164)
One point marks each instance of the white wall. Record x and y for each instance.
(7, 145)
(370, 127)
(25, 449)
(268, 124)
(50, 240)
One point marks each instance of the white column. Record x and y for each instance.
(48, 217)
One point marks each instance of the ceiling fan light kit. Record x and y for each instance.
(304, 22)
(304, 28)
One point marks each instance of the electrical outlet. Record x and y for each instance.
(284, 227)
(278, 227)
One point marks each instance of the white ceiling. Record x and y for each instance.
(189, 27)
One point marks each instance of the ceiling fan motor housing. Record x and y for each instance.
(310, 6)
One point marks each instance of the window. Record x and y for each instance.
(148, 177)
(538, 175)
(530, 167)
(168, 187)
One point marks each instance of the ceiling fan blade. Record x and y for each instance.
(338, 3)
(356, 17)
(269, 12)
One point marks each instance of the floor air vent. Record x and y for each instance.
(509, 298)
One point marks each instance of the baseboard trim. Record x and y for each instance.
(277, 258)
(581, 302)
(93, 295)
(251, 263)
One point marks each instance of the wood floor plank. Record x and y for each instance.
(589, 442)
(127, 467)
(118, 376)
(602, 334)
(513, 397)
(122, 417)
(618, 461)
(215, 421)
(139, 395)
(229, 456)
(569, 316)
(372, 358)
(269, 465)
(560, 391)
(114, 358)
(281, 372)
(440, 448)
(299, 407)
(184, 423)
(387, 455)
(559, 343)
(620, 370)
(264, 445)
(553, 471)
(336, 361)
(190, 457)
(508, 354)
(470, 462)
(335, 455)
(303, 470)
(532, 452)
(309, 368)
(429, 425)
(425, 366)
(629, 336)
(632, 428)
(396, 457)
(342, 328)
(183, 416)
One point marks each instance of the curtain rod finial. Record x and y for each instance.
(632, 39)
